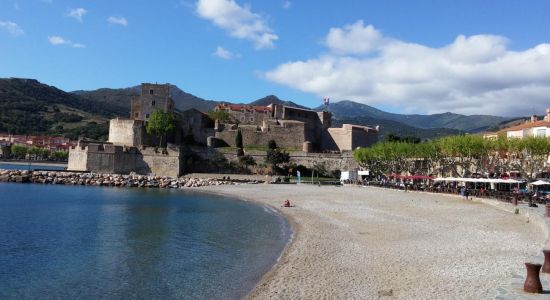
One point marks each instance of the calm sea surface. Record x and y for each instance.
(73, 242)
(32, 166)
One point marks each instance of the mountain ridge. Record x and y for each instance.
(471, 123)
(34, 102)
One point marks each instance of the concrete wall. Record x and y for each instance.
(126, 132)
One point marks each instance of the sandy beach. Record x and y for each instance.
(371, 243)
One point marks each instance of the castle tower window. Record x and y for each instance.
(153, 103)
(151, 92)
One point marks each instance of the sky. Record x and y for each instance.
(424, 56)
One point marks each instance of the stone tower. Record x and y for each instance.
(153, 97)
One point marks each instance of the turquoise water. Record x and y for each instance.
(32, 166)
(77, 242)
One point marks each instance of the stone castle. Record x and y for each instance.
(291, 127)
(129, 148)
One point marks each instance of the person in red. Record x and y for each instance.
(287, 203)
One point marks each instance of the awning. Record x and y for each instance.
(540, 182)
(477, 180)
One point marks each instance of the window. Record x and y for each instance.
(541, 132)
(153, 103)
(243, 118)
(136, 115)
(151, 92)
(251, 119)
(147, 116)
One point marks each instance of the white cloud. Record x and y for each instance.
(239, 21)
(472, 75)
(12, 28)
(287, 4)
(60, 41)
(225, 54)
(77, 13)
(117, 20)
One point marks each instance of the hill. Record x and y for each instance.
(272, 99)
(396, 128)
(30, 107)
(475, 123)
(121, 99)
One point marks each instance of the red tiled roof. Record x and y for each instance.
(238, 107)
(527, 125)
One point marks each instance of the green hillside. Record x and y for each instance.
(30, 107)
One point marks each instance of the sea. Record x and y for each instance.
(31, 167)
(83, 242)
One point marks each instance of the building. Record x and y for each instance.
(290, 127)
(532, 127)
(131, 149)
(153, 97)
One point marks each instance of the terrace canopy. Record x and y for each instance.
(540, 182)
(477, 180)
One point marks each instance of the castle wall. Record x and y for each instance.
(198, 123)
(349, 137)
(333, 162)
(126, 132)
(163, 164)
(290, 135)
(108, 158)
(78, 159)
(362, 138)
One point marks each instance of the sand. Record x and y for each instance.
(371, 243)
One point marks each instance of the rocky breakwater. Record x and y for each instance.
(117, 180)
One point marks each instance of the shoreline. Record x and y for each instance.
(312, 264)
(369, 242)
(48, 163)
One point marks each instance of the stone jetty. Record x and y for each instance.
(117, 180)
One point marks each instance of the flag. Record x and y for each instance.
(326, 100)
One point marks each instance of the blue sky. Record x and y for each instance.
(403, 56)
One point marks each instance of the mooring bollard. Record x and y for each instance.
(546, 265)
(532, 282)
(547, 211)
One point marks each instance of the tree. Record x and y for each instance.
(19, 151)
(160, 124)
(275, 157)
(221, 115)
(272, 145)
(239, 139)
